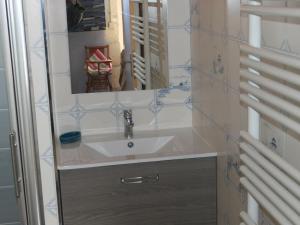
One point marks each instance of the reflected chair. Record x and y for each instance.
(98, 66)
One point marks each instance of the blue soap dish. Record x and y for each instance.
(70, 137)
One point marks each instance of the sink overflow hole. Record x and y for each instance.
(130, 144)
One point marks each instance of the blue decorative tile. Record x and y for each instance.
(156, 106)
(116, 109)
(187, 26)
(43, 104)
(285, 46)
(77, 112)
(182, 87)
(51, 207)
(188, 103)
(48, 157)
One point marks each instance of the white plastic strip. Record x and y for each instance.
(272, 183)
(137, 28)
(139, 78)
(154, 28)
(154, 36)
(139, 68)
(286, 181)
(271, 55)
(272, 99)
(276, 159)
(139, 57)
(139, 35)
(245, 217)
(136, 23)
(272, 85)
(141, 75)
(137, 18)
(138, 40)
(265, 203)
(136, 61)
(154, 49)
(155, 25)
(271, 11)
(270, 195)
(271, 113)
(154, 42)
(272, 70)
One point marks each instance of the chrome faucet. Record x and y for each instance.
(128, 124)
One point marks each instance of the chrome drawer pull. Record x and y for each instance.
(140, 180)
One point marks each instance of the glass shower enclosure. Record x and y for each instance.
(11, 180)
(20, 188)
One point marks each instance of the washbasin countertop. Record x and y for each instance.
(149, 146)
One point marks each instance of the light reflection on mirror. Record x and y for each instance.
(117, 45)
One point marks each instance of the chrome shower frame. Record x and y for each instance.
(22, 109)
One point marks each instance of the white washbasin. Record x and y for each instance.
(137, 146)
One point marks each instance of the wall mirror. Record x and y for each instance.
(117, 45)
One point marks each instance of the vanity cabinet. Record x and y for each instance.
(176, 192)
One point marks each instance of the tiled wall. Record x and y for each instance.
(38, 72)
(217, 29)
(101, 112)
(217, 113)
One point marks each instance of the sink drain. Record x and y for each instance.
(130, 144)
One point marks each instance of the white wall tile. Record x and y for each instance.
(179, 46)
(175, 96)
(131, 99)
(34, 21)
(97, 122)
(178, 12)
(58, 23)
(291, 149)
(97, 101)
(59, 53)
(172, 116)
(63, 99)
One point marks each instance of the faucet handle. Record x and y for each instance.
(127, 113)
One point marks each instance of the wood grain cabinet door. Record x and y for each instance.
(180, 192)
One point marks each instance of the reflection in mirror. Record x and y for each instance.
(117, 45)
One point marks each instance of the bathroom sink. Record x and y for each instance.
(136, 146)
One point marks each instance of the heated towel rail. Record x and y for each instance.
(139, 23)
(270, 82)
(158, 43)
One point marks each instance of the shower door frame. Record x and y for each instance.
(19, 88)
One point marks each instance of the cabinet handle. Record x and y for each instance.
(14, 149)
(140, 180)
